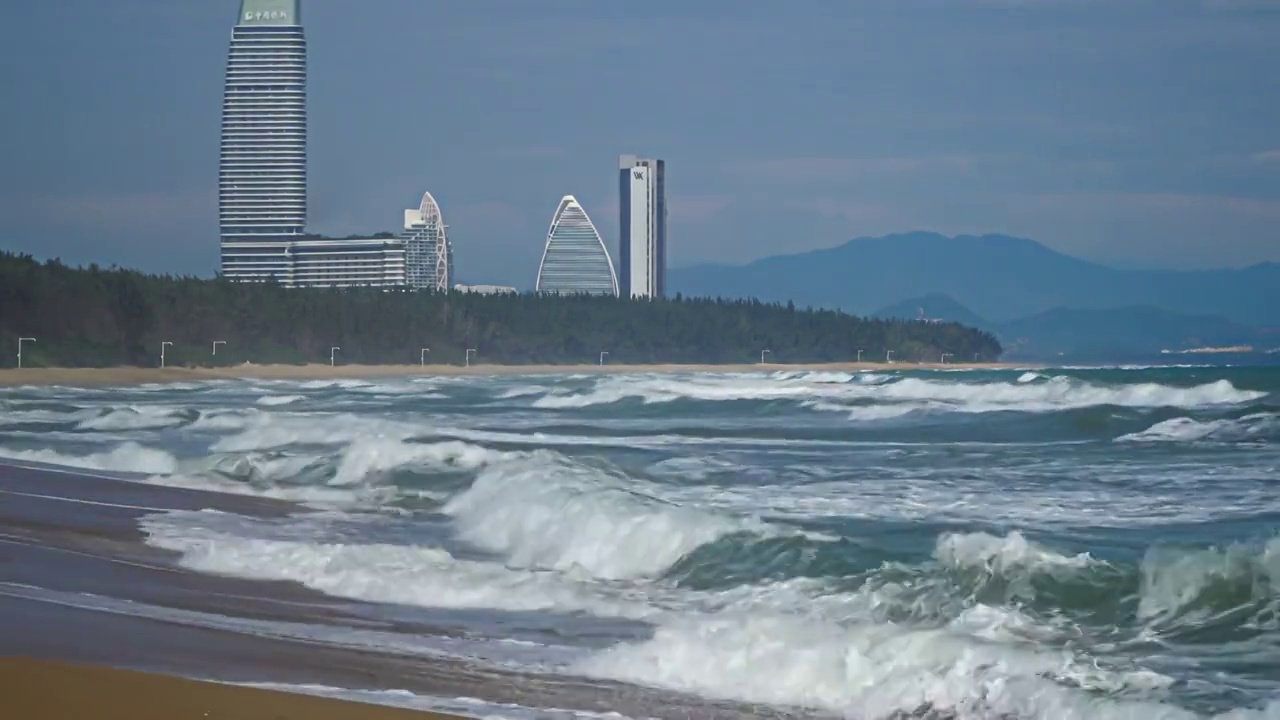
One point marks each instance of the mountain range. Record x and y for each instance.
(1038, 301)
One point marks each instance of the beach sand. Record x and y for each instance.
(42, 690)
(86, 377)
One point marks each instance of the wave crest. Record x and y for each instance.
(542, 511)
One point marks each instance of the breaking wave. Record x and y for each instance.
(891, 397)
(543, 512)
(1256, 427)
(734, 537)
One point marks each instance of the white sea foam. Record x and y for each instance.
(368, 456)
(272, 400)
(1064, 393)
(405, 574)
(136, 417)
(875, 670)
(265, 431)
(126, 457)
(333, 384)
(522, 391)
(1001, 555)
(224, 420)
(22, 414)
(1255, 427)
(1056, 393)
(353, 475)
(315, 496)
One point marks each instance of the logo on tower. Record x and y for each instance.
(260, 15)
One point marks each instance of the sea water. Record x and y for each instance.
(1048, 543)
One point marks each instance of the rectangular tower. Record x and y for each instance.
(262, 171)
(642, 227)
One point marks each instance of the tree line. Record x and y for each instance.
(96, 317)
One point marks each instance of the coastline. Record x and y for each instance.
(53, 690)
(115, 376)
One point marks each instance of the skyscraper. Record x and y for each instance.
(575, 259)
(428, 251)
(642, 227)
(262, 174)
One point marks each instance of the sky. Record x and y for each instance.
(1139, 133)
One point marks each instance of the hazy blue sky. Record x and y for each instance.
(1132, 131)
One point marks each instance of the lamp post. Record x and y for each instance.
(332, 351)
(20, 341)
(763, 353)
(859, 356)
(162, 346)
(467, 360)
(602, 356)
(422, 356)
(888, 356)
(216, 343)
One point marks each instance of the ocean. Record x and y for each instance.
(1048, 543)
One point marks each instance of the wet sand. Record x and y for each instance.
(89, 377)
(51, 691)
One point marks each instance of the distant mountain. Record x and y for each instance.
(1001, 278)
(1112, 333)
(935, 306)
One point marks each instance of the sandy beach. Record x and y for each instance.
(138, 375)
(51, 690)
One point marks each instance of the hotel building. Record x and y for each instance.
(428, 251)
(262, 169)
(642, 227)
(262, 174)
(575, 259)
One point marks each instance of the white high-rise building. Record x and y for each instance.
(429, 253)
(575, 259)
(642, 227)
(262, 174)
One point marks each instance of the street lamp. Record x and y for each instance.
(422, 356)
(216, 343)
(332, 351)
(20, 341)
(763, 353)
(859, 356)
(162, 346)
(468, 356)
(888, 356)
(602, 355)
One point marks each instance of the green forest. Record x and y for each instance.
(95, 317)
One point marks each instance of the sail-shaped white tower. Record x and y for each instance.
(575, 259)
(428, 253)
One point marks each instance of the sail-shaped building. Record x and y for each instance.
(575, 259)
(428, 252)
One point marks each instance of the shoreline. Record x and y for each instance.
(53, 690)
(118, 376)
